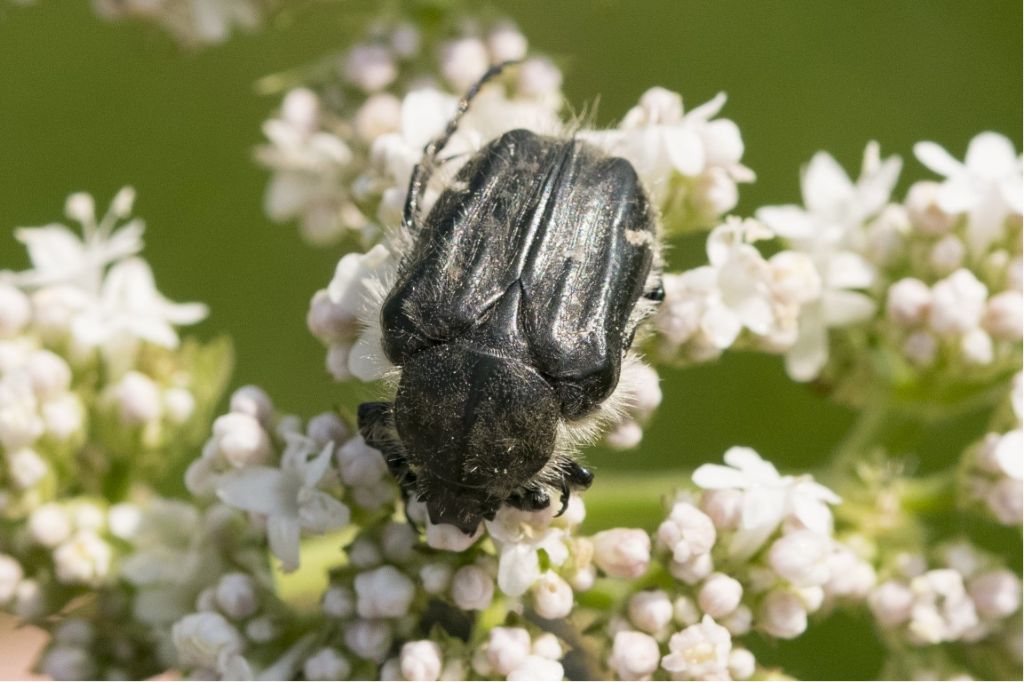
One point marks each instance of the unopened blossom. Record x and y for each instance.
(472, 588)
(288, 497)
(635, 655)
(908, 302)
(741, 664)
(622, 552)
(783, 615)
(68, 662)
(719, 595)
(326, 664)
(996, 594)
(384, 592)
(801, 557)
(958, 303)
(359, 464)
(85, 558)
(15, 310)
(370, 67)
(236, 595)
(507, 648)
(986, 185)
(650, 611)
(420, 660)
(138, 398)
(10, 576)
(463, 61)
(368, 639)
(768, 498)
(700, 651)
(687, 532)
(547, 645)
(536, 669)
(205, 639)
(942, 610)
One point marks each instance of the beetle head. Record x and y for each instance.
(475, 427)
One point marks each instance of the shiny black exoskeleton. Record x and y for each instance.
(509, 319)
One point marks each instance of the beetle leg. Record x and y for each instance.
(564, 498)
(422, 171)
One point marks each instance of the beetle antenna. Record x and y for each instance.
(423, 170)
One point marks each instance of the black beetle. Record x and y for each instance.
(510, 318)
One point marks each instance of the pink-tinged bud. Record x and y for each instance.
(719, 595)
(622, 552)
(635, 655)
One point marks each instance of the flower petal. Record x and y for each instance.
(937, 159)
(283, 534)
(825, 186)
(718, 477)
(264, 490)
(990, 155)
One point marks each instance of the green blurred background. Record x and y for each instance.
(86, 105)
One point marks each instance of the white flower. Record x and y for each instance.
(420, 660)
(547, 645)
(622, 552)
(942, 611)
(288, 497)
(472, 588)
(650, 610)
(360, 464)
(370, 67)
(635, 655)
(240, 439)
(700, 651)
(384, 592)
(687, 532)
(741, 664)
(129, 305)
(83, 559)
(59, 256)
(1004, 315)
(768, 498)
(463, 61)
(338, 602)
(205, 640)
(986, 186)
(536, 669)
(138, 398)
(326, 664)
(15, 311)
(49, 525)
(908, 302)
(253, 401)
(521, 536)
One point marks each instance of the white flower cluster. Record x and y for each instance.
(690, 162)
(967, 598)
(191, 23)
(342, 159)
(993, 467)
(285, 477)
(944, 266)
(773, 536)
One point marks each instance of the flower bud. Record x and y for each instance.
(472, 588)
(539, 77)
(921, 348)
(694, 570)
(368, 639)
(996, 594)
(370, 67)
(138, 399)
(202, 639)
(908, 302)
(506, 43)
(923, 206)
(687, 532)
(685, 611)
(253, 401)
(723, 507)
(891, 602)
(179, 404)
(84, 559)
(651, 611)
(326, 664)
(10, 575)
(1004, 314)
(741, 664)
(552, 596)
(739, 622)
(1005, 500)
(241, 440)
(338, 602)
(635, 655)
(25, 468)
(507, 648)
(49, 525)
(360, 464)
(66, 662)
(420, 660)
(49, 373)
(448, 537)
(547, 645)
(719, 595)
(435, 577)
(801, 558)
(622, 552)
(398, 542)
(958, 302)
(15, 311)
(783, 615)
(947, 255)
(80, 207)
(363, 553)
(536, 669)
(384, 592)
(463, 61)
(976, 347)
(236, 595)
(379, 115)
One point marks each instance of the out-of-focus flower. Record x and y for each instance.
(986, 185)
(700, 651)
